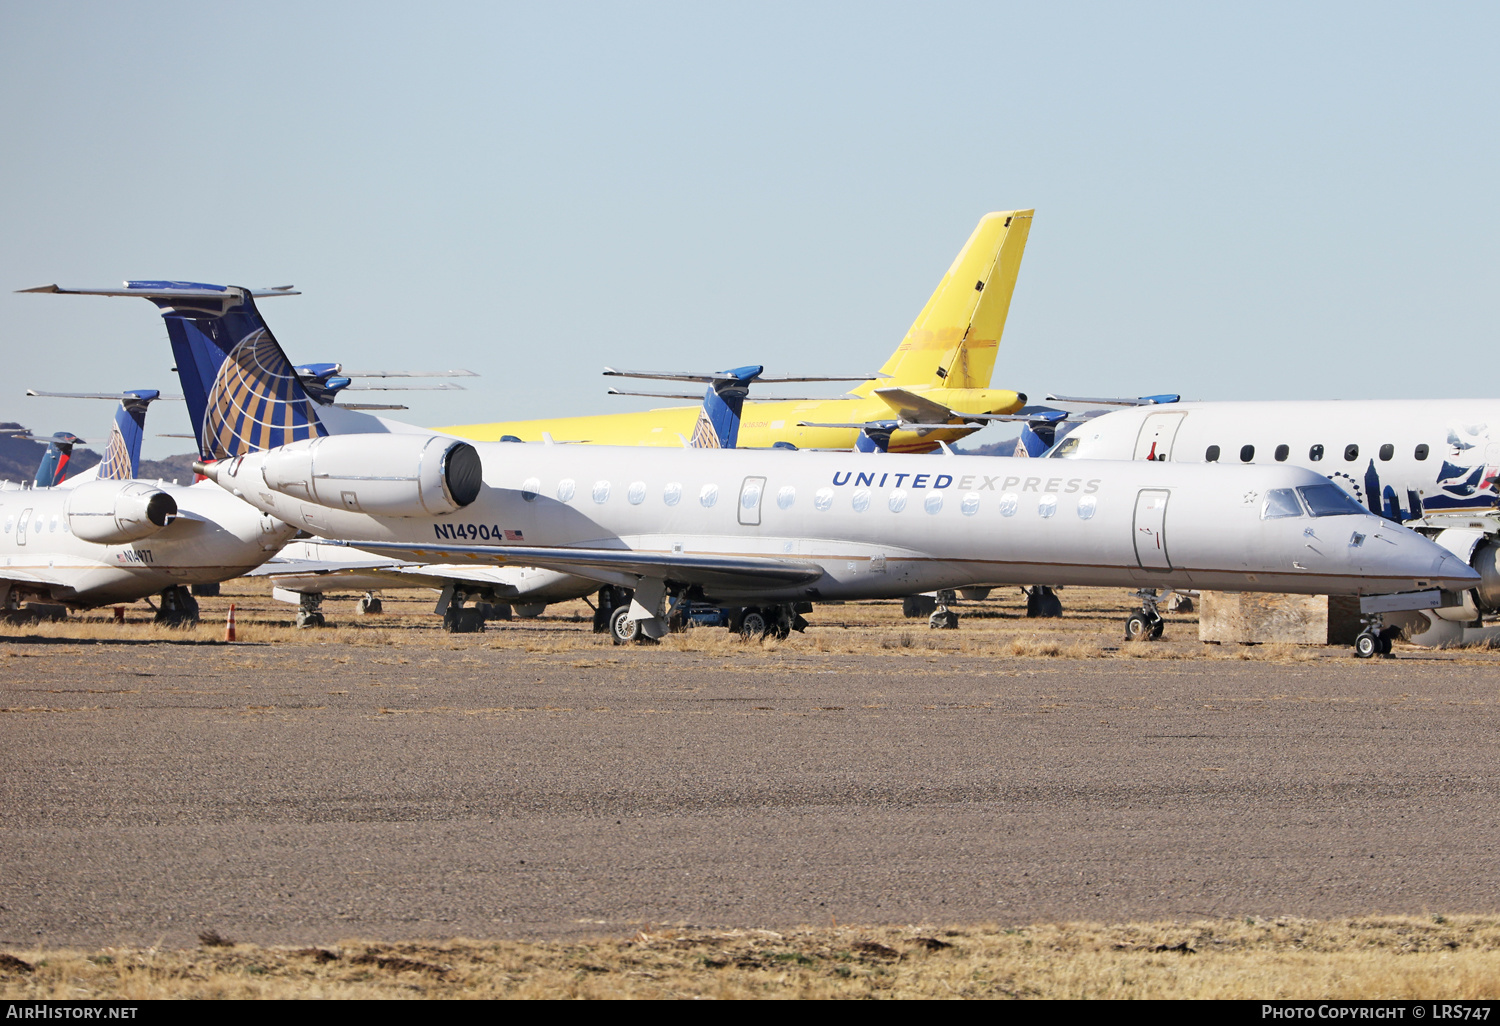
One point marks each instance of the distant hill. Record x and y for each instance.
(19, 460)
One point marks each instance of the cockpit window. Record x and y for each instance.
(1280, 502)
(1328, 500)
(1066, 449)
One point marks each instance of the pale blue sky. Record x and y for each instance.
(1232, 202)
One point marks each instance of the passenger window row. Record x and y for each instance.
(786, 497)
(1386, 453)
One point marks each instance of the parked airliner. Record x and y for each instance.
(1432, 464)
(114, 539)
(768, 529)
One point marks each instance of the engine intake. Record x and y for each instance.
(393, 475)
(116, 512)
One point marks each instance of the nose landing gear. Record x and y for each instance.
(1147, 624)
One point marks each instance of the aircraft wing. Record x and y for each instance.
(290, 567)
(22, 577)
(736, 572)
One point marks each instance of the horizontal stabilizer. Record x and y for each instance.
(687, 395)
(412, 374)
(118, 397)
(164, 290)
(746, 374)
(1041, 417)
(1145, 400)
(444, 387)
(910, 406)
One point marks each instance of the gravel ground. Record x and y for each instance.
(396, 782)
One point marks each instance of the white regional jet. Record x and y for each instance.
(1433, 465)
(113, 539)
(776, 529)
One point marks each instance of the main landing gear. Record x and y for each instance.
(310, 609)
(943, 618)
(1042, 602)
(1147, 624)
(612, 616)
(758, 622)
(178, 608)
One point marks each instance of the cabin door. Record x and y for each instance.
(21, 526)
(1157, 432)
(1150, 529)
(750, 496)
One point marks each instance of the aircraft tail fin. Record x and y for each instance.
(953, 341)
(122, 456)
(242, 393)
(718, 424)
(53, 468)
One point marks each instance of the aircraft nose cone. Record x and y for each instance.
(1453, 573)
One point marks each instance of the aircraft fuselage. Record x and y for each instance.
(881, 525)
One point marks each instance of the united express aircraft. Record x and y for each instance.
(769, 531)
(1432, 464)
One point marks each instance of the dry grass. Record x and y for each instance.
(1360, 958)
(993, 630)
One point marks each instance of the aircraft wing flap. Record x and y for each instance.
(689, 568)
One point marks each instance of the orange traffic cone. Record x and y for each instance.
(229, 624)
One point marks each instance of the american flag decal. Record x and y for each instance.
(513, 536)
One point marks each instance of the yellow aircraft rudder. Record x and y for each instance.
(953, 341)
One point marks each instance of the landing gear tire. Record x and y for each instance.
(178, 608)
(782, 628)
(368, 605)
(610, 599)
(1366, 646)
(1140, 627)
(753, 625)
(1042, 603)
(622, 629)
(943, 620)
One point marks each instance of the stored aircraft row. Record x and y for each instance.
(767, 531)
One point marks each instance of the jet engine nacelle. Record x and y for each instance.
(116, 512)
(383, 475)
(1482, 552)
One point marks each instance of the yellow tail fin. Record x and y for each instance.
(953, 341)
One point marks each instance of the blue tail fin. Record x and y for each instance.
(53, 470)
(718, 425)
(241, 390)
(876, 436)
(122, 457)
